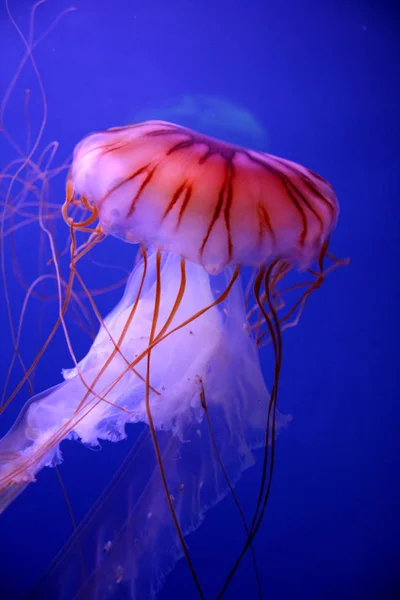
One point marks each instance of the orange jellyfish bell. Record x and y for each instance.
(211, 202)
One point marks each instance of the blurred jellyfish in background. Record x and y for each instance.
(179, 353)
(212, 115)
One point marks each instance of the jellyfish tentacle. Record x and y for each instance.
(27, 158)
(73, 522)
(45, 345)
(296, 310)
(154, 434)
(264, 275)
(160, 335)
(276, 339)
(63, 305)
(117, 344)
(30, 292)
(231, 489)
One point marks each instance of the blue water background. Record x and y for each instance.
(321, 83)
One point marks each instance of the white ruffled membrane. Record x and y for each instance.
(129, 539)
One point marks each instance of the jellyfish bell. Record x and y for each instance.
(179, 351)
(208, 201)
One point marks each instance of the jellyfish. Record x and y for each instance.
(179, 353)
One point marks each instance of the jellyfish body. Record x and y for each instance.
(177, 353)
(211, 202)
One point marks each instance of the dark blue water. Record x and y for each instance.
(316, 82)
